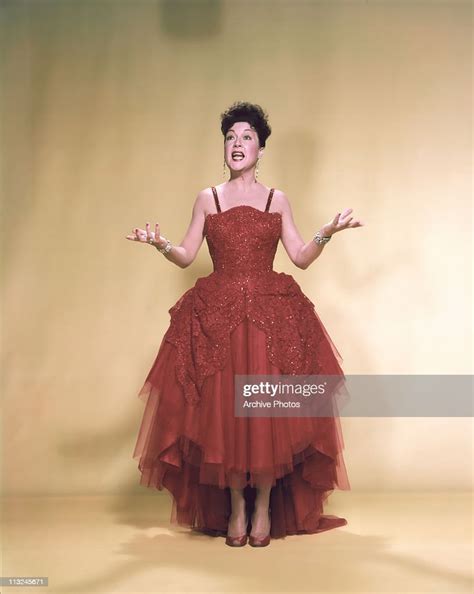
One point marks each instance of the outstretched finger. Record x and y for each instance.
(148, 234)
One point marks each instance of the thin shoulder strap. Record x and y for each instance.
(270, 196)
(216, 199)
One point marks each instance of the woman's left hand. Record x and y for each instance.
(340, 221)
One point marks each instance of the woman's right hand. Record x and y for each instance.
(147, 236)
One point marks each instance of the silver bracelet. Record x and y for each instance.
(166, 248)
(319, 239)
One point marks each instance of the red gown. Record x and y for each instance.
(243, 318)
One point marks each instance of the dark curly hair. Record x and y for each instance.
(242, 111)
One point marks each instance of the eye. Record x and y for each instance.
(231, 136)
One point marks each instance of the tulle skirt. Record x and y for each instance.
(197, 453)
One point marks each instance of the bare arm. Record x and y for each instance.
(302, 254)
(183, 254)
(299, 252)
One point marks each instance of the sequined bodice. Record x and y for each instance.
(243, 240)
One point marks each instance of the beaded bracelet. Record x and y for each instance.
(162, 250)
(319, 239)
(166, 248)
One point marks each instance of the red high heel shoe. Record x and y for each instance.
(237, 541)
(260, 541)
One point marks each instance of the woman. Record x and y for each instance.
(224, 470)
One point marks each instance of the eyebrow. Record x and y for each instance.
(245, 129)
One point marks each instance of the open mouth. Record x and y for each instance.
(237, 156)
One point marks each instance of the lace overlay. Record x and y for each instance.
(242, 242)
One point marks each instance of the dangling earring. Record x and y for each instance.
(223, 171)
(256, 170)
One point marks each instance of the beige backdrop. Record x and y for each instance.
(110, 118)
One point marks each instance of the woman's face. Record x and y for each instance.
(241, 138)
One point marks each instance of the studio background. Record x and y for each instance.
(110, 118)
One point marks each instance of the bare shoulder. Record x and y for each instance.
(204, 195)
(280, 201)
(204, 201)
